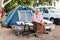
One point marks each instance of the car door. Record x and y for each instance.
(45, 13)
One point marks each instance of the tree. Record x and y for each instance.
(40, 2)
(10, 6)
(7, 2)
(2, 4)
(15, 3)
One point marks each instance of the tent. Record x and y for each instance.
(19, 14)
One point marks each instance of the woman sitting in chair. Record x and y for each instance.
(39, 25)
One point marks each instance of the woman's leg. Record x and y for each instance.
(34, 27)
(37, 27)
(43, 27)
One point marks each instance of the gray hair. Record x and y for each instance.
(37, 10)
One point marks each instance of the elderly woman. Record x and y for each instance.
(37, 20)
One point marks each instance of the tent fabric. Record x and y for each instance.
(20, 14)
(9, 17)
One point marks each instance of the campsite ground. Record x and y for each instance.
(8, 34)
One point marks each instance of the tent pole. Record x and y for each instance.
(18, 14)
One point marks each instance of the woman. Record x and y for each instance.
(37, 20)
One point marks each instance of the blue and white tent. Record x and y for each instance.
(19, 14)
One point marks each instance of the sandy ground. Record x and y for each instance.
(8, 34)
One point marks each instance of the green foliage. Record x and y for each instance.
(10, 6)
(15, 3)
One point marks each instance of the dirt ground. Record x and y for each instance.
(8, 34)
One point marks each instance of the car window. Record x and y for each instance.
(53, 10)
(41, 10)
(45, 10)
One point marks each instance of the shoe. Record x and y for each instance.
(36, 35)
(46, 33)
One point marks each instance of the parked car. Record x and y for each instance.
(50, 13)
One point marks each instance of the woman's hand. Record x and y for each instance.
(42, 23)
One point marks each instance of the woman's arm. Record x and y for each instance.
(33, 18)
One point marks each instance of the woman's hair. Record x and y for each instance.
(37, 10)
